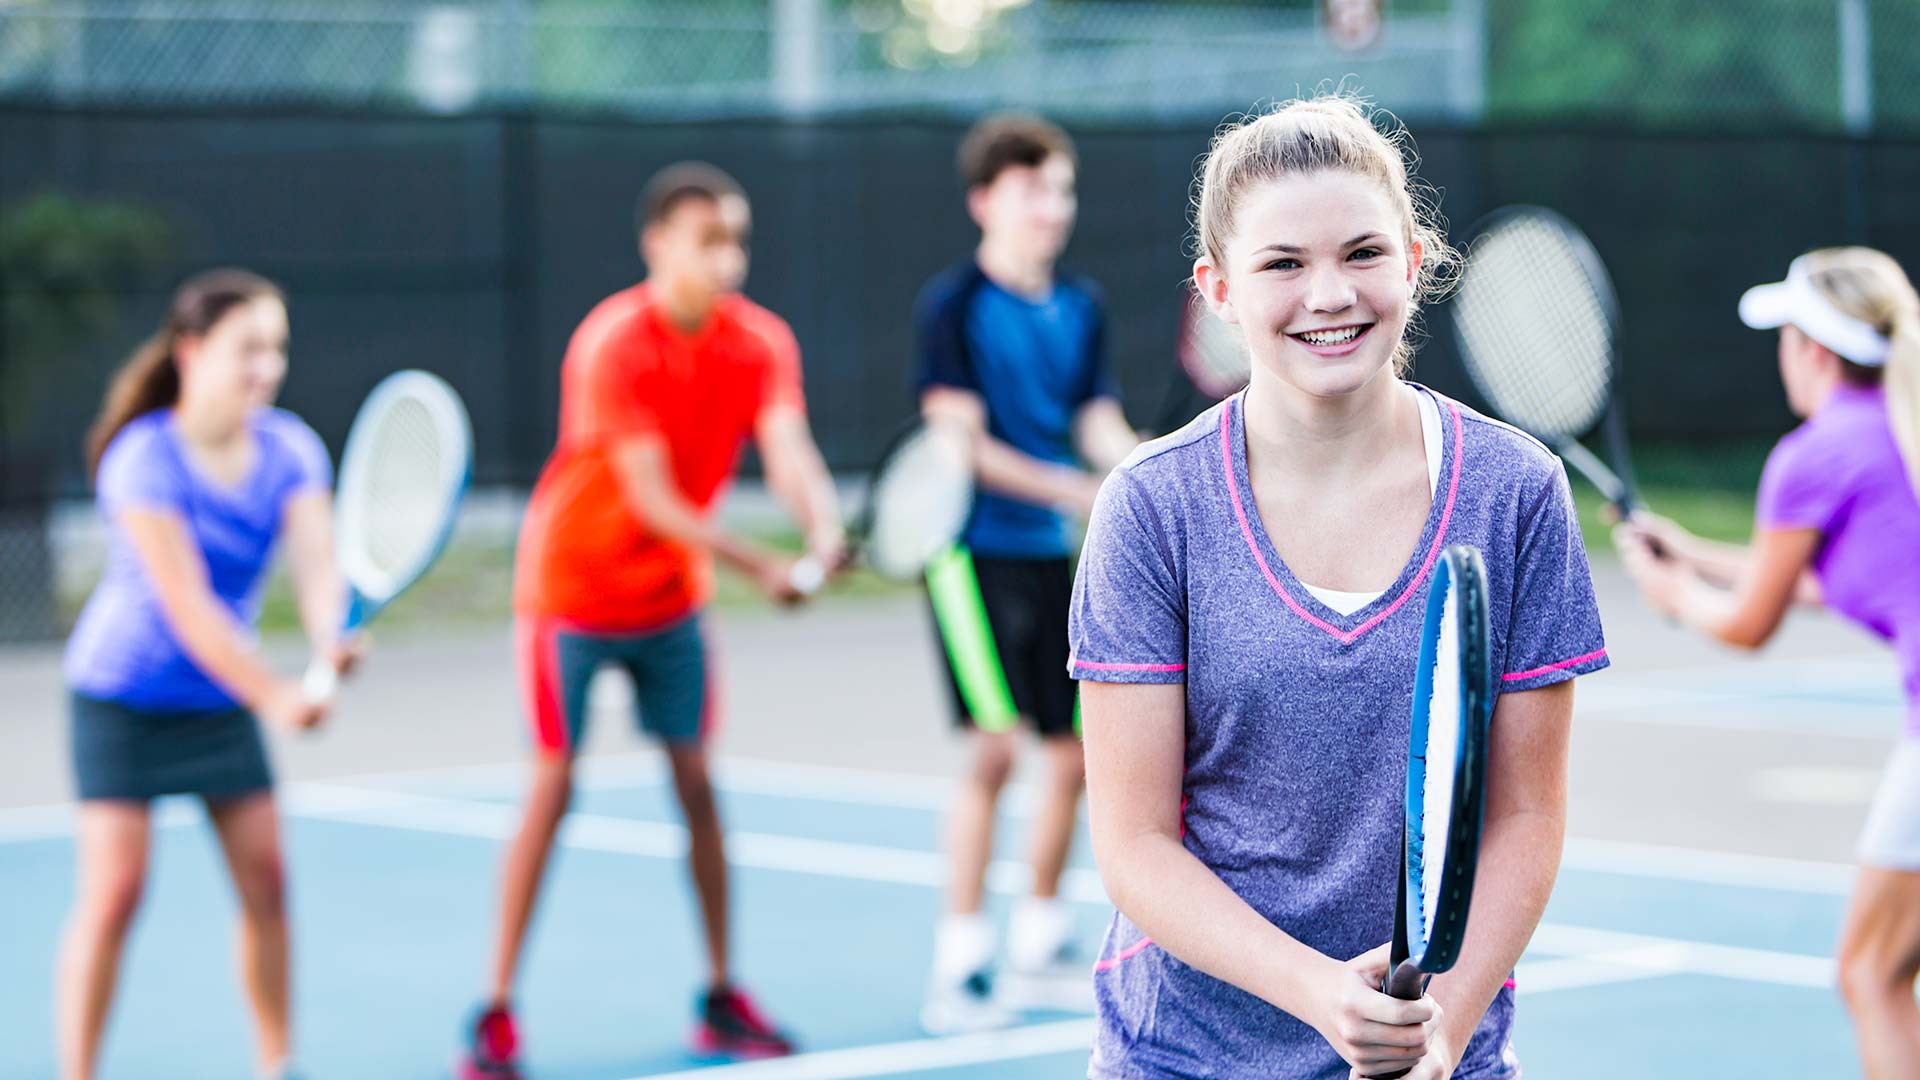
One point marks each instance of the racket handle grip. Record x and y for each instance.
(321, 681)
(1406, 982)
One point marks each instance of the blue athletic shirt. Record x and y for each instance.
(1034, 363)
(123, 649)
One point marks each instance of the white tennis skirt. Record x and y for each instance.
(1891, 838)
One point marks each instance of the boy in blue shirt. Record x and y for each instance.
(1013, 350)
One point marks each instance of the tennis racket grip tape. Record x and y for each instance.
(1406, 982)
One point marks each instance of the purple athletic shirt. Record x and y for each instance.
(1297, 716)
(122, 649)
(1841, 473)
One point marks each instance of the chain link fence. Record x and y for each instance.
(447, 185)
(708, 58)
(1772, 64)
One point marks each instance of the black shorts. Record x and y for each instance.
(119, 752)
(1003, 626)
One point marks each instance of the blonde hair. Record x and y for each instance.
(1329, 131)
(1870, 286)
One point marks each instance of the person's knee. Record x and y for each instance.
(693, 785)
(1869, 980)
(1067, 761)
(261, 881)
(552, 787)
(110, 904)
(992, 761)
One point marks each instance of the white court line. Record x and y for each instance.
(900, 866)
(866, 787)
(1701, 867)
(1692, 957)
(1600, 969)
(652, 839)
(1597, 957)
(917, 1055)
(1624, 958)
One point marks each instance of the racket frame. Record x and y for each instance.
(321, 682)
(1185, 385)
(1417, 953)
(1614, 478)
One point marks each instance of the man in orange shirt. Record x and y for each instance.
(661, 385)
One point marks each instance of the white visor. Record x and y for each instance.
(1796, 301)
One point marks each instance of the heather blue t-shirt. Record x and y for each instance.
(1297, 716)
(122, 648)
(1034, 363)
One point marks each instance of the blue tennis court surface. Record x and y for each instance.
(1652, 962)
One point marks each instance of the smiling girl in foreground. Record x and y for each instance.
(1245, 625)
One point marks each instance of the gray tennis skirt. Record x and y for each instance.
(120, 752)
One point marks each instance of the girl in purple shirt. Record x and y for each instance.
(1838, 522)
(1245, 625)
(197, 476)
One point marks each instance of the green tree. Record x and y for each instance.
(1692, 64)
(64, 262)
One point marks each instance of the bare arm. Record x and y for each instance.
(1745, 616)
(1717, 563)
(211, 637)
(1102, 434)
(319, 592)
(645, 476)
(1135, 744)
(798, 477)
(1525, 823)
(1004, 469)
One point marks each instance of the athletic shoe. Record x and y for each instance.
(956, 1008)
(1043, 970)
(732, 1026)
(493, 1048)
(1063, 984)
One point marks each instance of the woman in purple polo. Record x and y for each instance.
(1245, 627)
(1838, 522)
(197, 476)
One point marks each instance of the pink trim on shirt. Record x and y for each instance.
(1132, 951)
(1518, 675)
(1129, 667)
(1246, 530)
(1510, 985)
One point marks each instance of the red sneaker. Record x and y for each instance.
(493, 1048)
(731, 1025)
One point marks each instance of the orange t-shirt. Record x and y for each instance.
(585, 555)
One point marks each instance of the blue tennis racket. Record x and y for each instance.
(1446, 777)
(407, 463)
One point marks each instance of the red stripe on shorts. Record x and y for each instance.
(536, 651)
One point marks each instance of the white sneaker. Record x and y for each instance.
(959, 1008)
(1042, 970)
(1063, 985)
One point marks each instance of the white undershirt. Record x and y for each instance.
(1346, 603)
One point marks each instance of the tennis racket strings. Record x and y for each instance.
(1536, 329)
(920, 502)
(397, 509)
(1440, 754)
(1213, 352)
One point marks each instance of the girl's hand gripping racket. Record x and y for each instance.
(1446, 777)
(407, 463)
